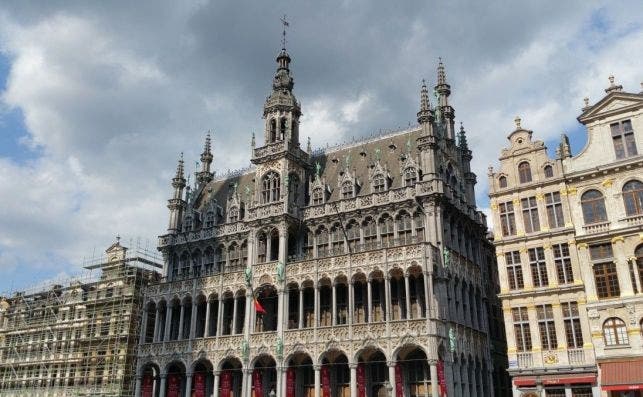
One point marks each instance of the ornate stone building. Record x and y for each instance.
(569, 243)
(357, 270)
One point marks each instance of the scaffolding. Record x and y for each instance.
(78, 336)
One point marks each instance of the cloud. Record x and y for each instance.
(111, 94)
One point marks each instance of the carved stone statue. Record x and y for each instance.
(248, 274)
(281, 271)
(452, 340)
(446, 254)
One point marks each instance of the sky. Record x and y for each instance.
(97, 99)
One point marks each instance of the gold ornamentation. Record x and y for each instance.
(607, 182)
(582, 246)
(618, 239)
(571, 191)
(540, 196)
(550, 358)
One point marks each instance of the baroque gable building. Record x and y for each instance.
(569, 244)
(347, 271)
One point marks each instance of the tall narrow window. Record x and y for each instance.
(318, 196)
(638, 252)
(549, 171)
(273, 130)
(386, 230)
(370, 233)
(234, 214)
(604, 271)
(352, 234)
(502, 181)
(563, 263)
(623, 139)
(404, 228)
(593, 207)
(322, 242)
(514, 270)
(633, 198)
(547, 327)
(554, 207)
(615, 332)
(538, 267)
(507, 219)
(530, 214)
(347, 190)
(337, 239)
(521, 328)
(270, 187)
(524, 172)
(418, 219)
(573, 332)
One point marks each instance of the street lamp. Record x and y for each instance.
(272, 393)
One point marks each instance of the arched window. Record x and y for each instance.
(633, 198)
(370, 233)
(318, 196)
(347, 189)
(187, 224)
(410, 176)
(322, 242)
(270, 187)
(404, 228)
(524, 172)
(379, 183)
(293, 188)
(386, 230)
(615, 332)
(282, 128)
(638, 253)
(233, 256)
(549, 171)
(502, 181)
(352, 235)
(273, 130)
(593, 207)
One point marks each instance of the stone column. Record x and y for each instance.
(351, 301)
(552, 272)
(637, 278)
(163, 387)
(188, 384)
(391, 375)
(157, 325)
(234, 316)
(428, 291)
(587, 272)
(168, 322)
(407, 293)
(369, 294)
(435, 386)
(353, 369)
(334, 322)
(246, 382)
(143, 327)
(622, 267)
(206, 330)
(220, 316)
(317, 368)
(215, 391)
(301, 307)
(181, 318)
(387, 297)
(279, 386)
(317, 314)
(193, 319)
(137, 388)
(280, 311)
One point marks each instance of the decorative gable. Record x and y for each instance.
(612, 103)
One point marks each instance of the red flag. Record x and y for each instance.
(258, 308)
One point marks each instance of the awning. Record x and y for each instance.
(555, 379)
(622, 375)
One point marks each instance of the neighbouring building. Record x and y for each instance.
(569, 246)
(357, 270)
(77, 338)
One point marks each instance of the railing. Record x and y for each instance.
(357, 248)
(576, 356)
(634, 220)
(525, 360)
(596, 228)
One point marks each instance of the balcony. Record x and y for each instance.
(525, 360)
(633, 220)
(595, 228)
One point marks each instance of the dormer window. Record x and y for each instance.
(549, 171)
(410, 176)
(502, 181)
(273, 131)
(270, 187)
(234, 214)
(524, 172)
(317, 196)
(379, 183)
(209, 219)
(623, 139)
(347, 190)
(187, 225)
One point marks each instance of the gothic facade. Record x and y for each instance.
(569, 243)
(357, 270)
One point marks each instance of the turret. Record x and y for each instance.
(205, 175)
(469, 177)
(176, 204)
(426, 142)
(447, 114)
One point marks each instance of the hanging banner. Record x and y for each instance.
(361, 381)
(256, 383)
(199, 384)
(226, 384)
(399, 383)
(173, 385)
(290, 382)
(147, 388)
(441, 382)
(325, 378)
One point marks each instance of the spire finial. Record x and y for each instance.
(424, 115)
(517, 121)
(462, 138)
(118, 239)
(179, 167)
(442, 78)
(285, 24)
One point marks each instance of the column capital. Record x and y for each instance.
(391, 363)
(317, 367)
(352, 365)
(189, 373)
(216, 372)
(433, 362)
(163, 376)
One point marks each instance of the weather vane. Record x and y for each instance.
(283, 39)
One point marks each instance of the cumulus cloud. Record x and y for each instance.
(111, 94)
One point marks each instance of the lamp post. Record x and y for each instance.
(272, 393)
